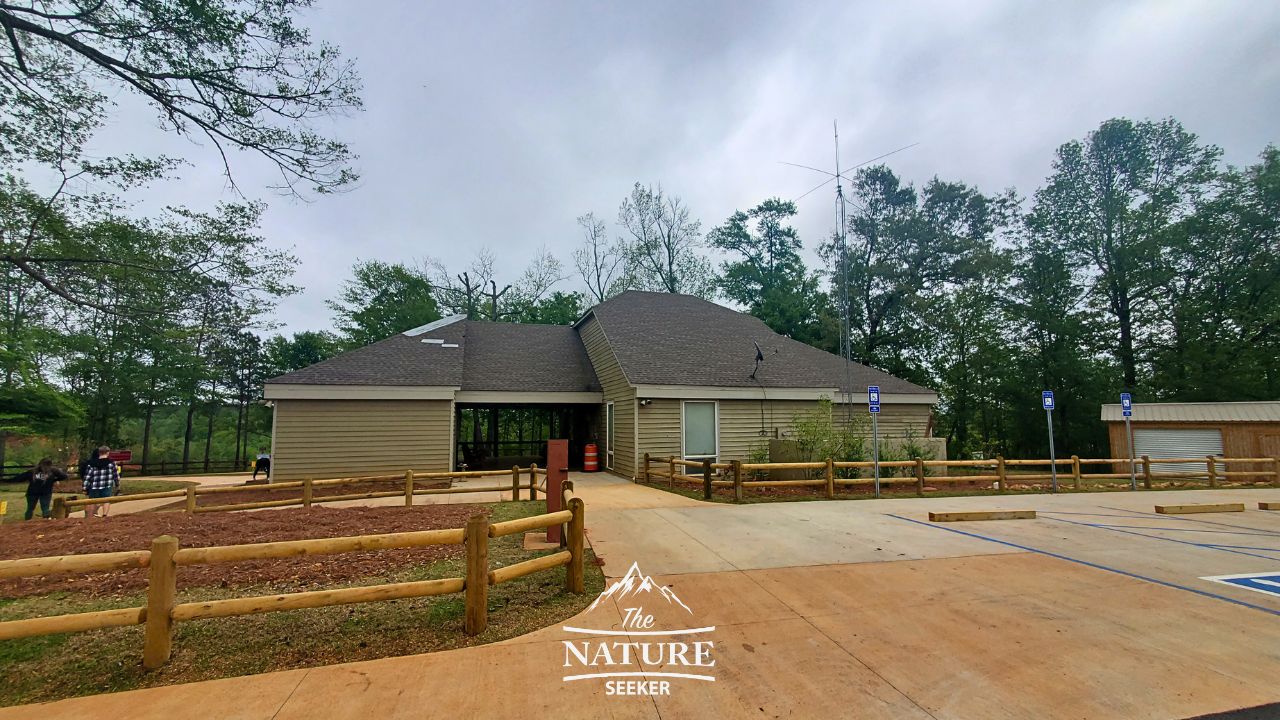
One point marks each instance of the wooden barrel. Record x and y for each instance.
(591, 458)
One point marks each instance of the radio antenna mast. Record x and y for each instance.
(842, 248)
(846, 339)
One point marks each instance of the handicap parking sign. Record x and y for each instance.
(873, 398)
(1267, 582)
(1047, 398)
(1126, 404)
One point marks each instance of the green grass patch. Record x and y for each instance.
(60, 666)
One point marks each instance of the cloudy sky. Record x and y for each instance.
(497, 125)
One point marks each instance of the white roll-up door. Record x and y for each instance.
(1176, 443)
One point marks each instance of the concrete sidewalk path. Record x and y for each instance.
(996, 636)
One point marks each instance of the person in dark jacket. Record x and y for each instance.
(40, 480)
(101, 479)
(262, 464)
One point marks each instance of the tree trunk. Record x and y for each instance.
(240, 434)
(186, 436)
(1127, 363)
(146, 432)
(208, 437)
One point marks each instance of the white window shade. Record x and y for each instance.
(699, 429)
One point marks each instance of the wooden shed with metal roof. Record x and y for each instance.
(1200, 429)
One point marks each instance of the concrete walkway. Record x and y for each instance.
(1097, 609)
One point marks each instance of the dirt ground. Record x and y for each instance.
(136, 531)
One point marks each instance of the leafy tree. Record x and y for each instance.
(239, 73)
(558, 308)
(904, 250)
(769, 278)
(1114, 203)
(1216, 318)
(286, 354)
(380, 300)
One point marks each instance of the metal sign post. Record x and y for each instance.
(1046, 398)
(873, 405)
(1126, 406)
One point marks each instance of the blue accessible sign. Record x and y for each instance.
(873, 398)
(1046, 398)
(1126, 404)
(1266, 582)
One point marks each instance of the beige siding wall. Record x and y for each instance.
(343, 438)
(740, 424)
(616, 389)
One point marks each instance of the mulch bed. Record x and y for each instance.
(136, 531)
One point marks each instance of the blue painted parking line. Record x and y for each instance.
(1194, 520)
(1203, 546)
(1087, 563)
(1268, 582)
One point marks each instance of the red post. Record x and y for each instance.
(557, 472)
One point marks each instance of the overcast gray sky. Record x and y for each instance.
(496, 125)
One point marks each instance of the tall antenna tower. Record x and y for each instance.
(842, 249)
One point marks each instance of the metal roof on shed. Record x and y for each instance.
(1201, 412)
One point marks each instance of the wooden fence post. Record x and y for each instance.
(515, 482)
(737, 481)
(408, 488)
(671, 471)
(920, 476)
(1002, 474)
(1146, 471)
(1211, 463)
(1275, 466)
(831, 479)
(191, 499)
(306, 493)
(706, 479)
(1075, 471)
(60, 508)
(162, 589)
(533, 481)
(476, 585)
(573, 577)
(644, 476)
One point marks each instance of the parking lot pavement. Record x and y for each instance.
(1098, 608)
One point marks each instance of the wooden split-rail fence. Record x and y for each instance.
(1211, 469)
(521, 479)
(167, 556)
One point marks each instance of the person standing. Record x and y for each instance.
(101, 479)
(40, 480)
(262, 464)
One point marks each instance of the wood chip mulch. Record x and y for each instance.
(136, 531)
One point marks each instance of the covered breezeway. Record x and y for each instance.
(496, 436)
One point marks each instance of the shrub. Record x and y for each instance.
(820, 435)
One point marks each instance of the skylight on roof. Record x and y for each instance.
(434, 325)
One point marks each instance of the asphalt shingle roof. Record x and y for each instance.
(489, 356)
(668, 339)
(526, 358)
(658, 338)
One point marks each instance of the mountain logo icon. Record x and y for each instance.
(636, 582)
